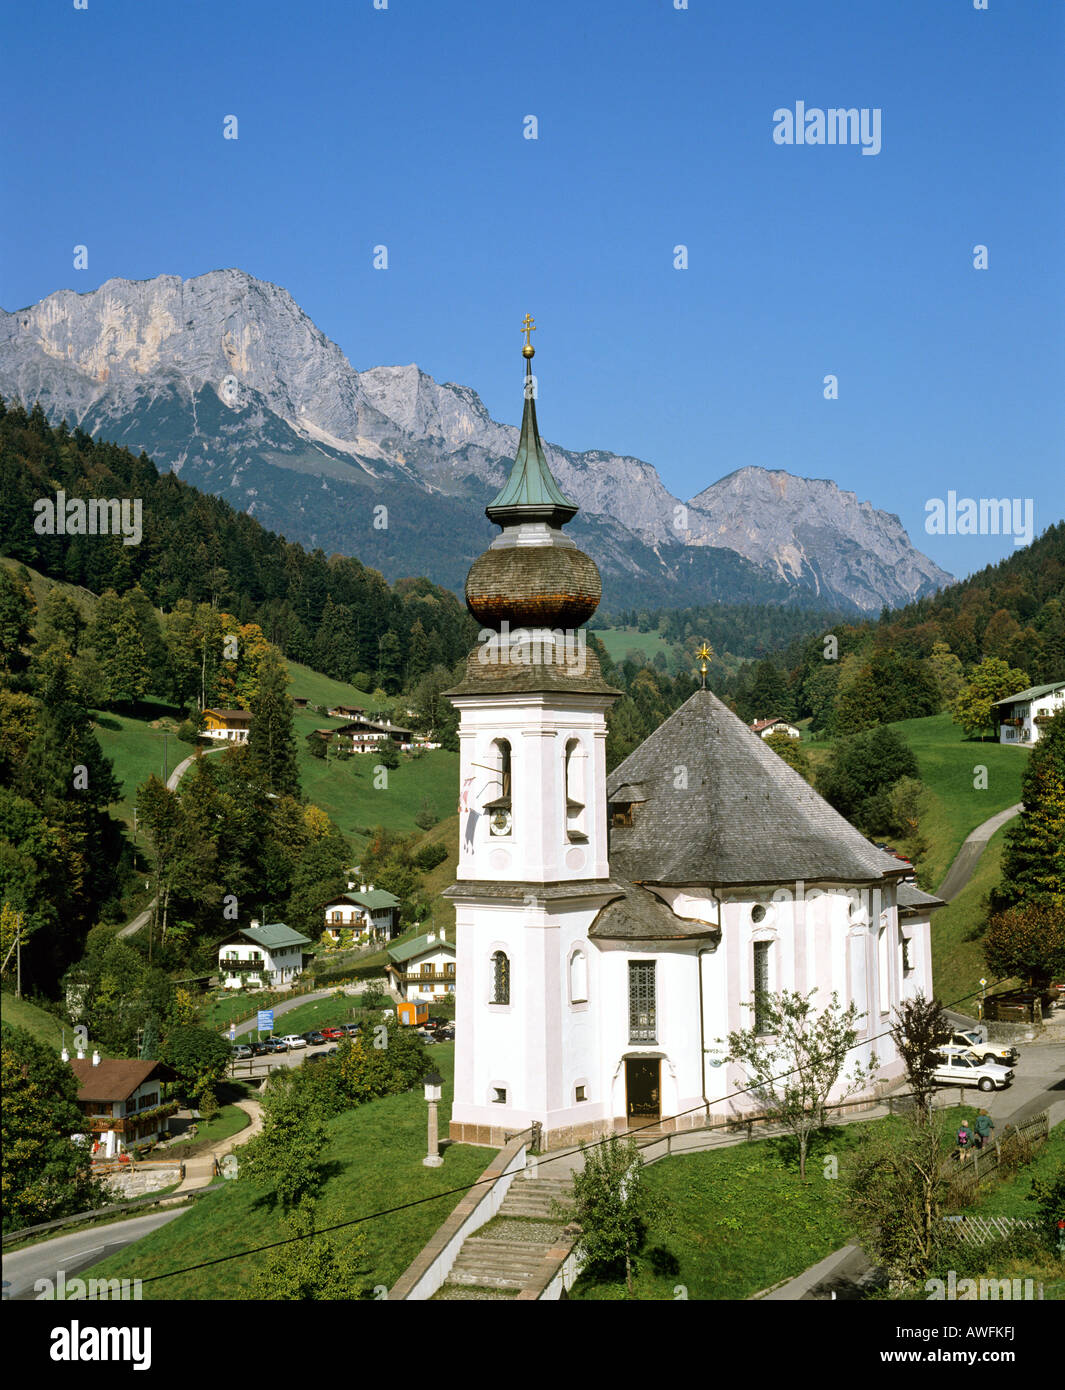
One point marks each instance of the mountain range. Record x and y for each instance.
(223, 379)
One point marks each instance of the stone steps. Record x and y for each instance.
(510, 1252)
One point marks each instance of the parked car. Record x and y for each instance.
(435, 1021)
(444, 1034)
(313, 1038)
(294, 1040)
(976, 1041)
(316, 1056)
(959, 1066)
(329, 1052)
(352, 1029)
(257, 1048)
(333, 1032)
(274, 1045)
(241, 1052)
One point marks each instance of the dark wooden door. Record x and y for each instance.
(642, 1090)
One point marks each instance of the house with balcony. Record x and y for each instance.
(121, 1100)
(1021, 717)
(423, 968)
(371, 914)
(227, 725)
(764, 727)
(262, 955)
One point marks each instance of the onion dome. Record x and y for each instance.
(532, 575)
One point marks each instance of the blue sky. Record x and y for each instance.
(404, 127)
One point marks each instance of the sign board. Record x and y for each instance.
(232, 1032)
(266, 1021)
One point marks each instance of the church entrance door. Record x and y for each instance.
(642, 1090)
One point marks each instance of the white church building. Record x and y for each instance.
(612, 929)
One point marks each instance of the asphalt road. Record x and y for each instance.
(974, 844)
(76, 1252)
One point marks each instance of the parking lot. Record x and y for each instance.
(257, 1068)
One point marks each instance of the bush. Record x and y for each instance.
(187, 731)
(430, 855)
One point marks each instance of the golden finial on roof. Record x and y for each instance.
(528, 327)
(704, 654)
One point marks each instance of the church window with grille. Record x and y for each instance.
(642, 1004)
(761, 986)
(500, 978)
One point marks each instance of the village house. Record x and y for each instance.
(121, 1099)
(1020, 717)
(261, 955)
(365, 735)
(346, 711)
(423, 968)
(372, 914)
(765, 727)
(231, 724)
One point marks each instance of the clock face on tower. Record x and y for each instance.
(500, 822)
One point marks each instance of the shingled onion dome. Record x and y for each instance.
(532, 576)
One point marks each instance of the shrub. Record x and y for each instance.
(430, 855)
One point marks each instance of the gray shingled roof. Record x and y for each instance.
(910, 898)
(744, 817)
(639, 916)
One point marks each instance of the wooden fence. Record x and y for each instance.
(978, 1230)
(966, 1169)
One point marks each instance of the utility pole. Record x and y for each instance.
(18, 962)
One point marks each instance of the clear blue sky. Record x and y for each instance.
(404, 126)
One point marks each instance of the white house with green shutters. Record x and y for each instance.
(424, 968)
(1021, 717)
(260, 955)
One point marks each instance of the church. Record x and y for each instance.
(612, 929)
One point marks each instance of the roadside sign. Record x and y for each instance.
(232, 1032)
(266, 1021)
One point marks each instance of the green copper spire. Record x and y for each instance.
(530, 493)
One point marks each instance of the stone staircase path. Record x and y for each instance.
(503, 1256)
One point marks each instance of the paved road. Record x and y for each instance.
(71, 1253)
(965, 861)
(142, 918)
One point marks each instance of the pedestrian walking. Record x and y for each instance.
(983, 1126)
(964, 1141)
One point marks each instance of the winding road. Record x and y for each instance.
(974, 844)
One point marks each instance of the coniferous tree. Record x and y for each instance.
(1033, 865)
(271, 741)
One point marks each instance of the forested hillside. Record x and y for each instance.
(331, 613)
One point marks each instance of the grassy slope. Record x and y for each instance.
(45, 1027)
(620, 640)
(739, 1220)
(374, 1159)
(947, 762)
(957, 959)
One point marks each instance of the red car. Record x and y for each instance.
(334, 1034)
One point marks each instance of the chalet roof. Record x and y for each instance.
(274, 936)
(912, 899)
(115, 1078)
(377, 899)
(723, 808)
(237, 714)
(759, 724)
(1034, 692)
(420, 946)
(638, 915)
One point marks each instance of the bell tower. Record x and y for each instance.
(533, 869)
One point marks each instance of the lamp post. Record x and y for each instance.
(433, 1084)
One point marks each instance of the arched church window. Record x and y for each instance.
(578, 978)
(576, 830)
(500, 807)
(500, 978)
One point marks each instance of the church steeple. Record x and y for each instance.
(532, 575)
(530, 493)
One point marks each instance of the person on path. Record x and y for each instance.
(983, 1126)
(964, 1140)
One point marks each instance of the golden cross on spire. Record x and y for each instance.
(528, 327)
